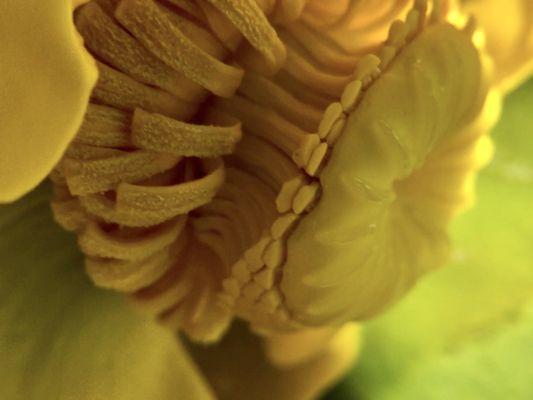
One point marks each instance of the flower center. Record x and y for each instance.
(207, 144)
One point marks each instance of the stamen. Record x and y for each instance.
(324, 13)
(252, 23)
(127, 276)
(198, 35)
(170, 45)
(128, 245)
(140, 205)
(115, 46)
(120, 91)
(166, 135)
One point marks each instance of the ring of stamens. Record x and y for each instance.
(204, 142)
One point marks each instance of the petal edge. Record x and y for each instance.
(46, 79)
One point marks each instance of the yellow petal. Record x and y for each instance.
(46, 79)
(238, 369)
(369, 239)
(62, 339)
(508, 27)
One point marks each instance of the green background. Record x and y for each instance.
(466, 331)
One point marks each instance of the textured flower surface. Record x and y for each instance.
(259, 174)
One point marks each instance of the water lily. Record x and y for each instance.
(255, 176)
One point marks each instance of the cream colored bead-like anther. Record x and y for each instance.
(156, 132)
(252, 291)
(281, 226)
(232, 287)
(317, 158)
(305, 197)
(175, 49)
(367, 69)
(350, 95)
(287, 193)
(241, 271)
(336, 131)
(331, 115)
(271, 299)
(386, 55)
(99, 175)
(254, 255)
(265, 277)
(104, 126)
(273, 255)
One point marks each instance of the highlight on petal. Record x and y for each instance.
(62, 339)
(508, 27)
(238, 368)
(46, 79)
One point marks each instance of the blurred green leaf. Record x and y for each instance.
(466, 331)
(63, 339)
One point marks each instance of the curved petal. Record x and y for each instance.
(62, 339)
(238, 369)
(46, 80)
(466, 331)
(508, 26)
(397, 175)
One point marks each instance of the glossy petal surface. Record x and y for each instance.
(45, 80)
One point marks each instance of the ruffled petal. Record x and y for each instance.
(238, 368)
(46, 80)
(399, 172)
(508, 27)
(62, 339)
(466, 331)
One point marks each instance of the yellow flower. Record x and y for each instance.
(291, 164)
(47, 78)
